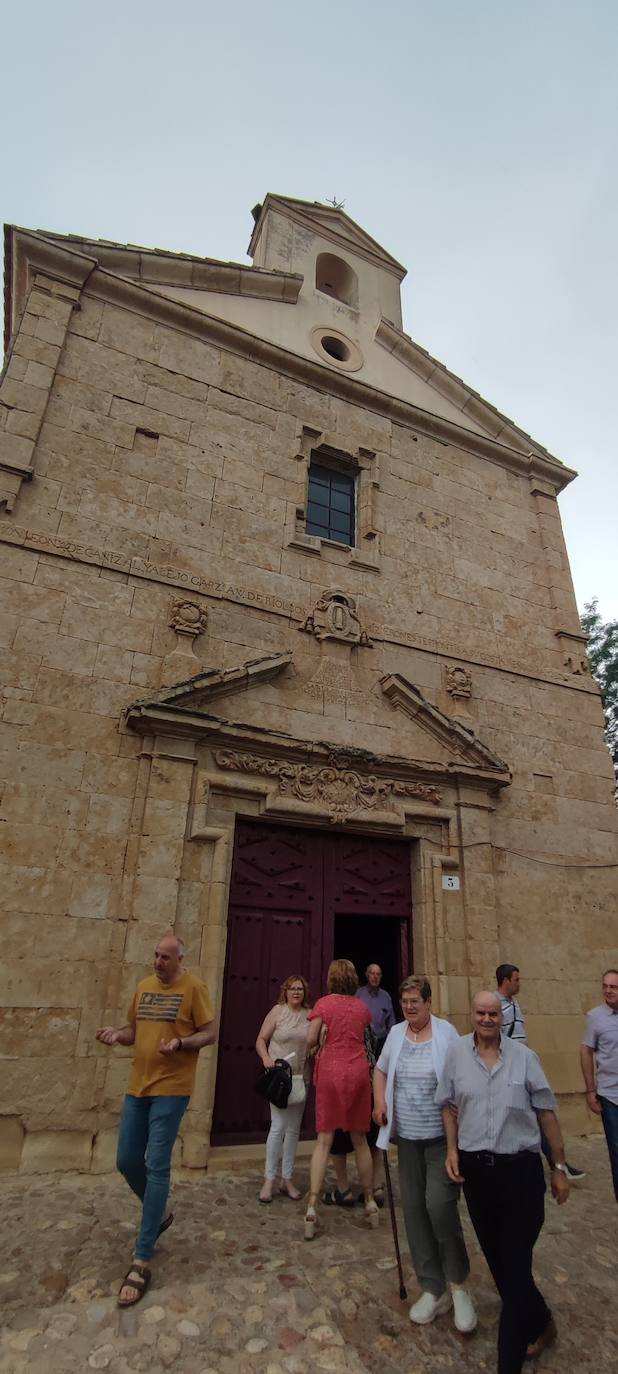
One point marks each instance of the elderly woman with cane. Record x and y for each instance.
(404, 1086)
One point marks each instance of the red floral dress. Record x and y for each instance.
(341, 1076)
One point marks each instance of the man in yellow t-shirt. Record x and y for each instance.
(169, 1020)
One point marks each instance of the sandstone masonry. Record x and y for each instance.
(178, 650)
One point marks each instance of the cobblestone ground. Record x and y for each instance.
(237, 1290)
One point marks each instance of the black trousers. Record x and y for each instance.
(505, 1196)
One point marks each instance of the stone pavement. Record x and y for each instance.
(238, 1291)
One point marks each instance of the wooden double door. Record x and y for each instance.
(298, 898)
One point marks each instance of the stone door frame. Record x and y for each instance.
(200, 773)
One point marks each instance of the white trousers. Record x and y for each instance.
(282, 1140)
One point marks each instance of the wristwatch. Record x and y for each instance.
(179, 1045)
(561, 1169)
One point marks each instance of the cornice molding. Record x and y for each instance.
(187, 318)
(158, 267)
(26, 254)
(204, 687)
(68, 264)
(405, 697)
(455, 390)
(158, 720)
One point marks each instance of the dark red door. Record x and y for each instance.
(290, 892)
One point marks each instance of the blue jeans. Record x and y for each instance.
(610, 1126)
(148, 1129)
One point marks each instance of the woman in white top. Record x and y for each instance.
(283, 1034)
(404, 1086)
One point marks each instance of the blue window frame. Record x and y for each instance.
(330, 504)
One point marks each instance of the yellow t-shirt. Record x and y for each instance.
(158, 1013)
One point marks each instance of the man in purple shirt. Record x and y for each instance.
(601, 1038)
(379, 1003)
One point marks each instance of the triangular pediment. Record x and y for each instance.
(196, 693)
(332, 222)
(458, 741)
(435, 746)
(180, 288)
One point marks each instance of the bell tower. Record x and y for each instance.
(349, 284)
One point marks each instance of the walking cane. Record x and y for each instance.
(389, 1188)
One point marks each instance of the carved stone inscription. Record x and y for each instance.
(141, 567)
(341, 790)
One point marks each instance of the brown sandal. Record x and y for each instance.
(165, 1224)
(140, 1284)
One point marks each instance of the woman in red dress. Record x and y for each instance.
(342, 1085)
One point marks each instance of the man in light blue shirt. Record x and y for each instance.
(379, 1003)
(601, 1040)
(503, 1102)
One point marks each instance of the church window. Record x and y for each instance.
(336, 278)
(336, 349)
(330, 504)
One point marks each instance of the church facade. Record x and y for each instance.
(292, 666)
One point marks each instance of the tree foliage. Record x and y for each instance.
(603, 657)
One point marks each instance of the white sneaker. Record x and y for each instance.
(429, 1307)
(466, 1319)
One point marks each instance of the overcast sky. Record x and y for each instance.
(475, 139)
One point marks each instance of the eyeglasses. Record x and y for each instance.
(296, 989)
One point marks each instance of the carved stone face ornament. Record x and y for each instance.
(458, 681)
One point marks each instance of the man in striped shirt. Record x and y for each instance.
(508, 980)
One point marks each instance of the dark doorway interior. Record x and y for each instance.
(371, 940)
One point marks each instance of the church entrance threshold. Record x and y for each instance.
(298, 898)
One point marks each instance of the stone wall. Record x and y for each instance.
(168, 470)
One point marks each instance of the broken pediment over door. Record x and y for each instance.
(324, 780)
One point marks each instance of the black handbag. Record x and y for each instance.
(276, 1084)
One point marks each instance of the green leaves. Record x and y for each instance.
(603, 657)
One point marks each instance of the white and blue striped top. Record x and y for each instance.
(415, 1111)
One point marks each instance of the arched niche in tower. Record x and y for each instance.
(336, 278)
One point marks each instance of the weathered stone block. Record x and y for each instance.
(27, 1028)
(11, 1142)
(49, 1152)
(104, 1151)
(86, 321)
(190, 357)
(91, 895)
(147, 418)
(195, 1150)
(15, 448)
(128, 333)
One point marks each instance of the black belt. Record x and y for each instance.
(489, 1159)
